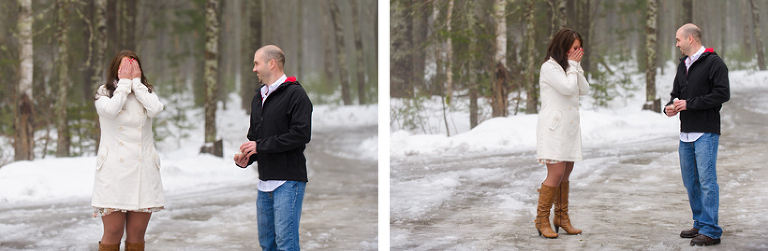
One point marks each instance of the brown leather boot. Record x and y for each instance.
(109, 247)
(561, 210)
(546, 196)
(134, 246)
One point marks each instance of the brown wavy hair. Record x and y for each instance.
(560, 44)
(115, 65)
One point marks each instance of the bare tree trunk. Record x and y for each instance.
(100, 42)
(687, 11)
(237, 36)
(747, 31)
(358, 30)
(558, 16)
(24, 140)
(419, 36)
(211, 71)
(127, 10)
(572, 14)
(299, 43)
(253, 43)
(113, 32)
(758, 36)
(723, 29)
(499, 101)
(585, 18)
(473, 65)
(338, 27)
(651, 101)
(401, 64)
(328, 38)
(99, 48)
(531, 106)
(449, 55)
(63, 83)
(86, 15)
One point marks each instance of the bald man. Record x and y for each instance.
(699, 91)
(281, 121)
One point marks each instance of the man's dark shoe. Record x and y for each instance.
(703, 240)
(693, 232)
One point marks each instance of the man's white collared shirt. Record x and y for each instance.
(692, 136)
(270, 185)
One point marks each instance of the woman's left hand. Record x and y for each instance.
(576, 55)
(136, 69)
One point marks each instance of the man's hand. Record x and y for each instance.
(241, 160)
(670, 110)
(681, 105)
(248, 149)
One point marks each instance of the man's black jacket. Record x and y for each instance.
(282, 128)
(704, 87)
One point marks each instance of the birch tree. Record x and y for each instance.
(499, 102)
(24, 141)
(100, 40)
(651, 102)
(211, 72)
(758, 37)
(342, 55)
(61, 63)
(558, 16)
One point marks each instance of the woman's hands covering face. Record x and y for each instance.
(129, 69)
(576, 55)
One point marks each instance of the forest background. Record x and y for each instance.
(54, 54)
(489, 51)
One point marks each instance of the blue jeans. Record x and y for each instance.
(697, 165)
(278, 214)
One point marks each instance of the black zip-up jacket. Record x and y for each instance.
(281, 128)
(705, 87)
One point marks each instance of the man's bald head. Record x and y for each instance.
(271, 52)
(690, 29)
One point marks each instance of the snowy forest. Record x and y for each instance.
(489, 51)
(54, 54)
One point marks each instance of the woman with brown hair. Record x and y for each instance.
(127, 186)
(558, 132)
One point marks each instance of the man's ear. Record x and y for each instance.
(271, 64)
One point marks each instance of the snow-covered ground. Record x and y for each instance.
(204, 191)
(476, 190)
